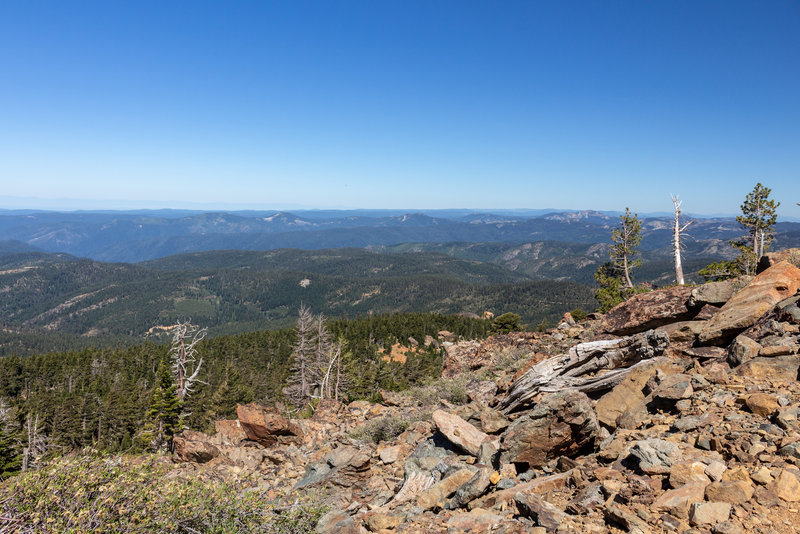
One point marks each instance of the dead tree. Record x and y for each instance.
(183, 355)
(587, 367)
(36, 445)
(678, 231)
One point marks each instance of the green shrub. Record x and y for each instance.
(452, 390)
(109, 495)
(381, 429)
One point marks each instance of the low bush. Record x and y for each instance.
(109, 495)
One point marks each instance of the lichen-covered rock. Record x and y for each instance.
(779, 282)
(648, 310)
(563, 424)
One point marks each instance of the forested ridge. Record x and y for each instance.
(76, 303)
(100, 397)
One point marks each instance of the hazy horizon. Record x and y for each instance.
(580, 104)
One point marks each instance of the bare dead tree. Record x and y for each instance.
(678, 231)
(183, 355)
(36, 446)
(301, 372)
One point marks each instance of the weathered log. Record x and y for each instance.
(579, 367)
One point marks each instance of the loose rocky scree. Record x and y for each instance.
(699, 433)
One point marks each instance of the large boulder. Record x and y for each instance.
(264, 424)
(192, 446)
(563, 424)
(629, 393)
(460, 432)
(718, 293)
(229, 432)
(648, 310)
(748, 305)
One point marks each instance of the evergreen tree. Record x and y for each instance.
(758, 220)
(508, 322)
(164, 414)
(625, 239)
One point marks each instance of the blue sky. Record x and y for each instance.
(584, 105)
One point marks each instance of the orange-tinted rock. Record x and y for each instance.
(191, 446)
(648, 310)
(778, 282)
(460, 432)
(229, 432)
(264, 424)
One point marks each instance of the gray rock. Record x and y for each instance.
(655, 455)
(540, 511)
(717, 293)
(742, 349)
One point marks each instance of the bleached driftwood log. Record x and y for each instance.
(578, 369)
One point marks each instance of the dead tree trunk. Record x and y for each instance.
(677, 232)
(592, 366)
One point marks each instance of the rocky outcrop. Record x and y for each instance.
(675, 434)
(791, 255)
(777, 283)
(649, 310)
(718, 293)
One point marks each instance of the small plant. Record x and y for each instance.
(452, 390)
(381, 429)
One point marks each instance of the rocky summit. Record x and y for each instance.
(678, 411)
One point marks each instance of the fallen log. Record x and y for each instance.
(578, 369)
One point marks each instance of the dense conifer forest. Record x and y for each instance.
(102, 397)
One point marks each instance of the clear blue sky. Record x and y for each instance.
(413, 104)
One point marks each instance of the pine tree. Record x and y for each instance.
(626, 238)
(758, 219)
(164, 414)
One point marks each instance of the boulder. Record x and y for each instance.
(540, 511)
(436, 495)
(741, 350)
(678, 501)
(191, 446)
(628, 393)
(648, 310)
(683, 331)
(473, 355)
(229, 432)
(786, 486)
(767, 289)
(709, 513)
(460, 357)
(563, 424)
(655, 456)
(472, 488)
(264, 424)
(460, 432)
(733, 492)
(718, 293)
(782, 369)
(762, 404)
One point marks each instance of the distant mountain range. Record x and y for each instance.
(232, 291)
(134, 237)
